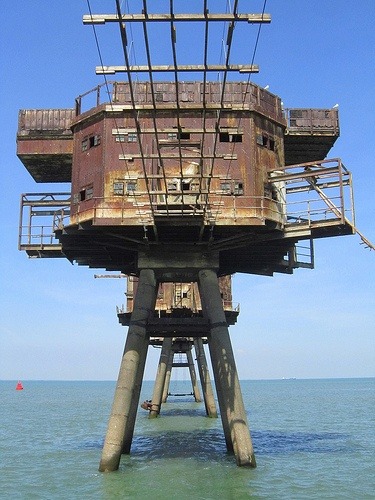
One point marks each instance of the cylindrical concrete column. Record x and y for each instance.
(193, 377)
(160, 378)
(208, 395)
(168, 377)
(130, 423)
(128, 383)
(225, 372)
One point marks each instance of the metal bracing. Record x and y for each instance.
(205, 17)
(133, 100)
(208, 153)
(179, 68)
(151, 77)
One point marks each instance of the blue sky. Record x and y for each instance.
(58, 322)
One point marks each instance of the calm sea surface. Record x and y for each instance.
(313, 439)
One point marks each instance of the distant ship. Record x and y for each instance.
(19, 386)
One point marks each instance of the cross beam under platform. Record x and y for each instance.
(126, 399)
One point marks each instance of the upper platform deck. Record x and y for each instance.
(45, 137)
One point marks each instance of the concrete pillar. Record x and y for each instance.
(130, 423)
(160, 378)
(132, 364)
(168, 377)
(208, 395)
(231, 405)
(193, 377)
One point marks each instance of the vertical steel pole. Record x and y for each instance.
(224, 366)
(128, 387)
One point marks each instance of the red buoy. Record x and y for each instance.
(19, 386)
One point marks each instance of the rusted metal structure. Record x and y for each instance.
(182, 182)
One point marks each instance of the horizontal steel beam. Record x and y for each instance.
(175, 130)
(195, 156)
(175, 18)
(304, 174)
(241, 68)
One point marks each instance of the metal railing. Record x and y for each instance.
(312, 121)
(298, 196)
(38, 213)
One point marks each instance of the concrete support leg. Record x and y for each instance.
(128, 384)
(130, 423)
(168, 377)
(208, 395)
(231, 405)
(160, 378)
(193, 377)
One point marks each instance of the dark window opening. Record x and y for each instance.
(227, 137)
(266, 141)
(236, 138)
(94, 140)
(90, 142)
(183, 136)
(232, 187)
(82, 195)
(185, 186)
(184, 295)
(238, 188)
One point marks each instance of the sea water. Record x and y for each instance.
(312, 439)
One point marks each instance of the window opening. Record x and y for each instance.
(132, 137)
(85, 144)
(232, 187)
(227, 137)
(183, 136)
(94, 140)
(131, 186)
(265, 141)
(118, 188)
(226, 187)
(89, 192)
(238, 188)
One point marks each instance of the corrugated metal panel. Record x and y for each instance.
(55, 120)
